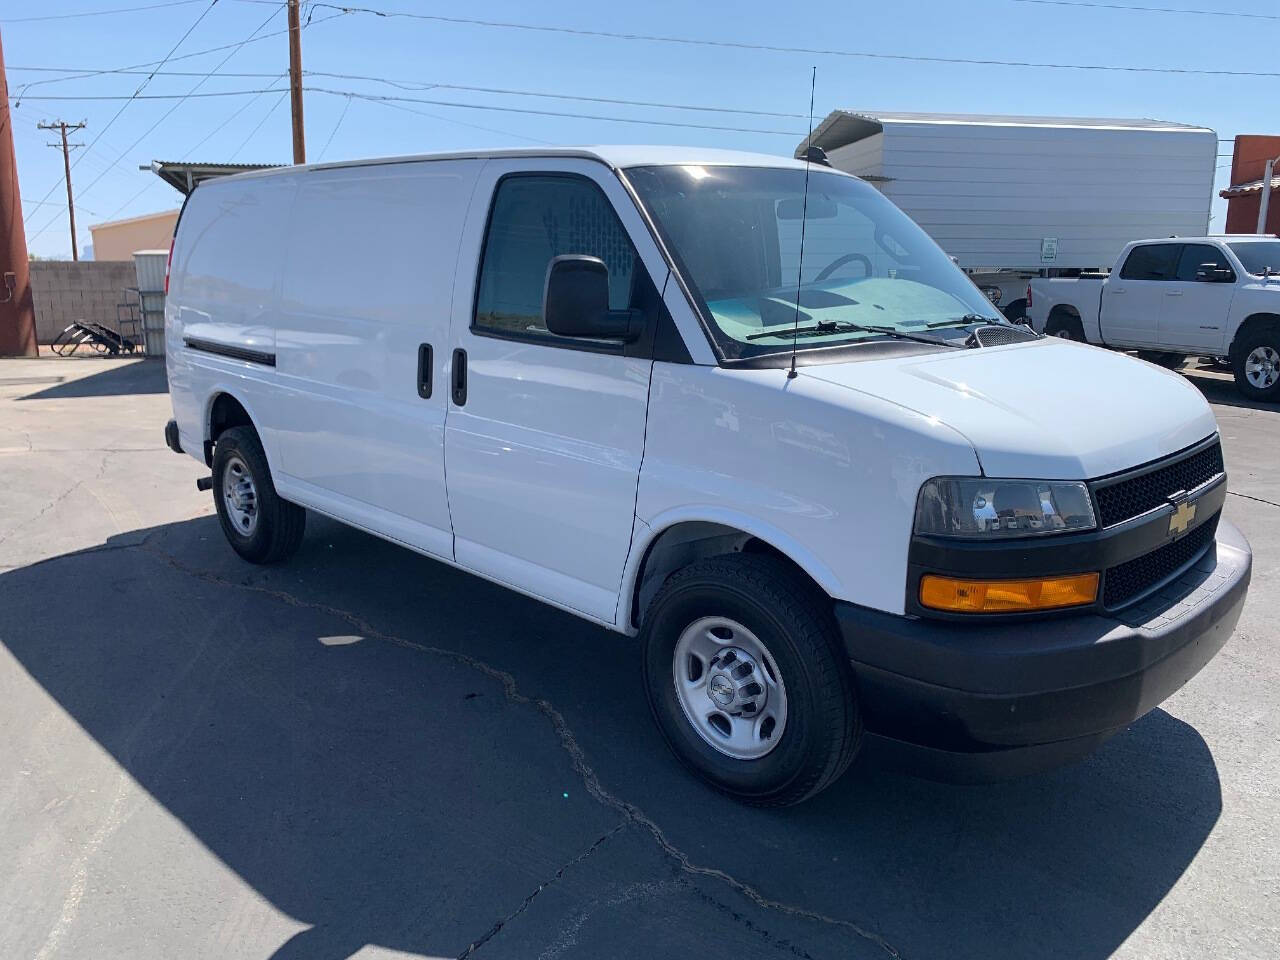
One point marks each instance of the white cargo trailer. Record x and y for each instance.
(1010, 196)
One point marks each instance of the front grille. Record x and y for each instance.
(1134, 496)
(1126, 581)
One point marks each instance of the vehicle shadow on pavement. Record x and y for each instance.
(144, 376)
(1223, 392)
(349, 732)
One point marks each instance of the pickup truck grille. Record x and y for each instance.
(1129, 580)
(1132, 496)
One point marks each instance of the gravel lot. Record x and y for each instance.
(364, 753)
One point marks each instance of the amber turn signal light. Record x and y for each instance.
(1007, 596)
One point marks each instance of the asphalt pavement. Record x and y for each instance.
(364, 753)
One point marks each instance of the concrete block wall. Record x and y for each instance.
(66, 290)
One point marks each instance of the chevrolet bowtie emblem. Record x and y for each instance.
(1181, 518)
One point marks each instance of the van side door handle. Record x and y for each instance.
(460, 377)
(424, 371)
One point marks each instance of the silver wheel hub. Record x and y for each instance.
(1262, 367)
(240, 496)
(729, 688)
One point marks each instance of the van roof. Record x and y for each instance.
(617, 157)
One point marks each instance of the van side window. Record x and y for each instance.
(1155, 261)
(534, 218)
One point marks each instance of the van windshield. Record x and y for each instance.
(735, 235)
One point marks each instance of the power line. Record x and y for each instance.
(99, 13)
(775, 48)
(334, 132)
(445, 103)
(252, 133)
(433, 84)
(461, 123)
(171, 59)
(153, 181)
(190, 93)
(155, 96)
(1140, 9)
(377, 97)
(124, 106)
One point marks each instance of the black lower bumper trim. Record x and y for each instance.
(1021, 696)
(171, 438)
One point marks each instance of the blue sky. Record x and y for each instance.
(256, 128)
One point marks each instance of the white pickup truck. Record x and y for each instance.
(1174, 298)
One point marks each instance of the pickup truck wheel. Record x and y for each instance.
(746, 676)
(1067, 328)
(1256, 363)
(260, 526)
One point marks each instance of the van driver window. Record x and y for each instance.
(534, 219)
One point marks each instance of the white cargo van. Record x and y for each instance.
(571, 372)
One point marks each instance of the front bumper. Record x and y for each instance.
(981, 701)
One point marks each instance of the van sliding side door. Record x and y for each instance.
(545, 434)
(365, 322)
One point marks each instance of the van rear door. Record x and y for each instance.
(545, 434)
(364, 327)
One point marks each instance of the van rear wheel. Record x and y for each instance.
(747, 679)
(260, 526)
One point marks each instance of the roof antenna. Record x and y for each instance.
(804, 213)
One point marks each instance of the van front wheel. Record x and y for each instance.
(260, 526)
(747, 680)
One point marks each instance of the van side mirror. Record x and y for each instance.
(1213, 273)
(575, 301)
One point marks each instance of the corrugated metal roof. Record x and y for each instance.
(1251, 186)
(184, 176)
(842, 127)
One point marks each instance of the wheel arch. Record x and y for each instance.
(678, 539)
(1064, 310)
(1250, 323)
(1015, 309)
(223, 410)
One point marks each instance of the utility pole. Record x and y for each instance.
(17, 311)
(1265, 200)
(66, 163)
(295, 83)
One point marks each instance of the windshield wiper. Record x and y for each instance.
(822, 326)
(844, 326)
(960, 321)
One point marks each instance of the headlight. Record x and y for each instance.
(978, 507)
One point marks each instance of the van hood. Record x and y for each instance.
(1050, 409)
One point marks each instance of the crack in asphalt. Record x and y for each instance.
(568, 743)
(524, 904)
(102, 469)
(1245, 496)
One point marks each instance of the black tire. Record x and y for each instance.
(1065, 326)
(1261, 336)
(277, 532)
(823, 727)
(1016, 312)
(1170, 361)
